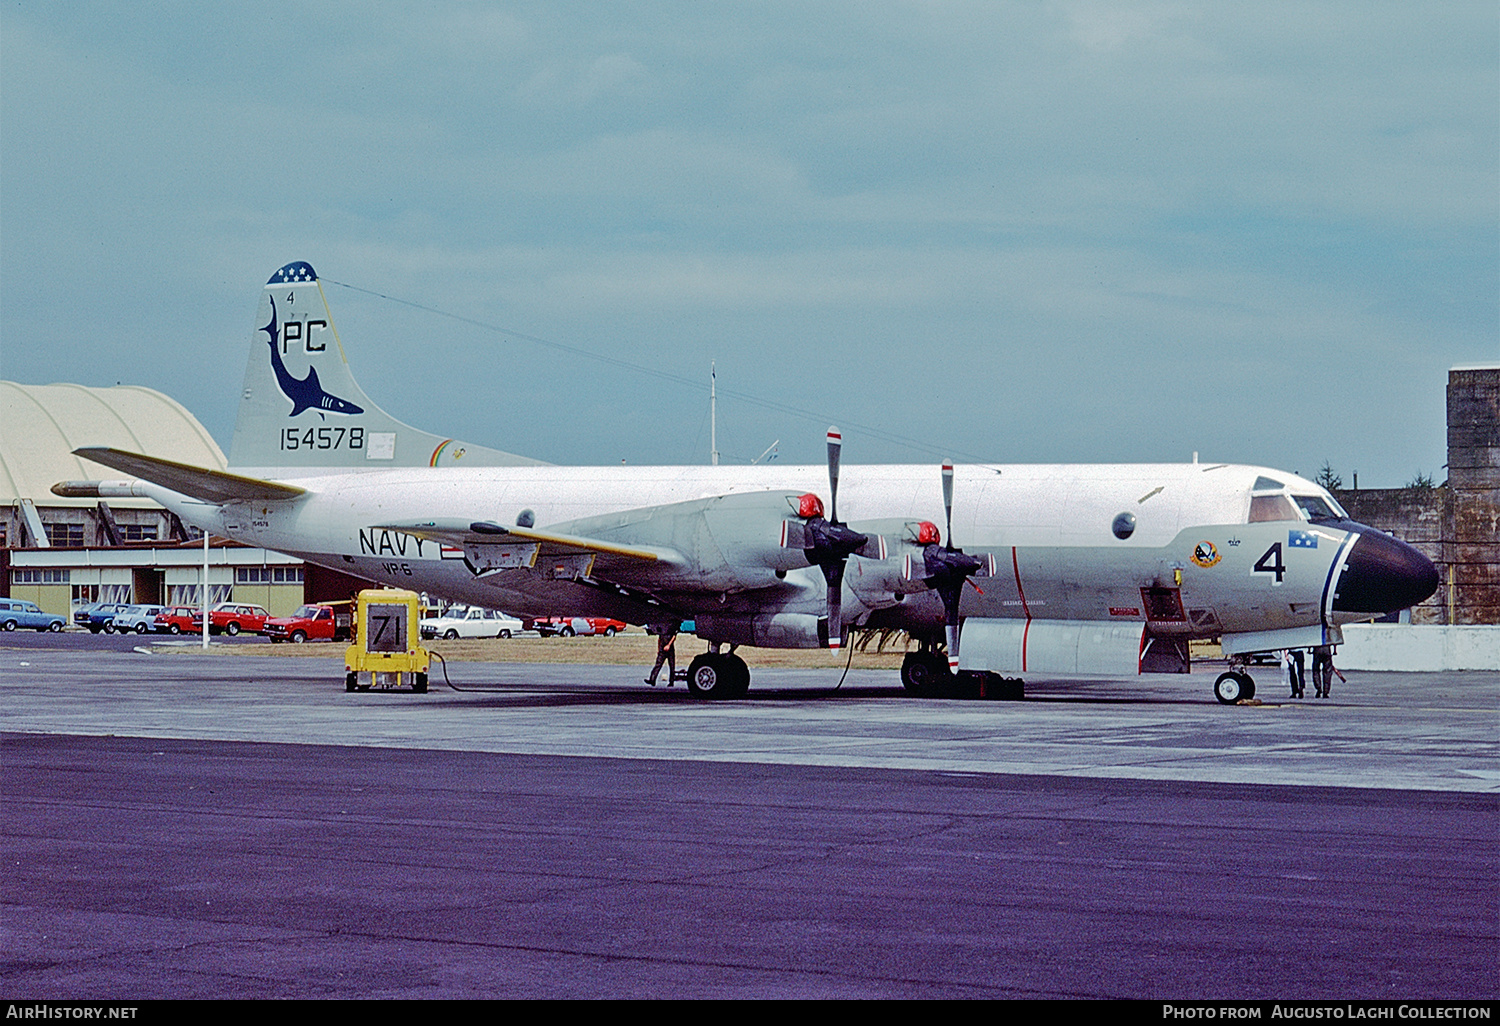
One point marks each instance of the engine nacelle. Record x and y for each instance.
(772, 630)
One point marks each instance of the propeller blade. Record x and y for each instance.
(835, 612)
(835, 446)
(948, 497)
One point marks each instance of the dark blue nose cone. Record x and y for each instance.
(1382, 574)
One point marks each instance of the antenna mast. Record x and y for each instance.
(713, 415)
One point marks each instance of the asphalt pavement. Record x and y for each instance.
(187, 825)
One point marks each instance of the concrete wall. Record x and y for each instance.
(1418, 649)
(1456, 525)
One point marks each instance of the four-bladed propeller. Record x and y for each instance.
(829, 543)
(947, 568)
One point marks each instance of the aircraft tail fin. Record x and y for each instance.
(302, 409)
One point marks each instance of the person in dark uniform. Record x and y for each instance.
(666, 651)
(1322, 670)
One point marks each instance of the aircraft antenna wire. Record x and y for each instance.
(904, 441)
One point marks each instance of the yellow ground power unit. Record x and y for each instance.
(387, 642)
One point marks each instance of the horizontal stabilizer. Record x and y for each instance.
(214, 486)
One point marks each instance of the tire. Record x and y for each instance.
(609, 632)
(298, 637)
(714, 675)
(173, 629)
(54, 626)
(109, 626)
(140, 628)
(504, 634)
(232, 628)
(450, 634)
(350, 680)
(1232, 687)
(925, 674)
(10, 625)
(419, 683)
(566, 632)
(94, 630)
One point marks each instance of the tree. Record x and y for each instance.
(1422, 481)
(1328, 479)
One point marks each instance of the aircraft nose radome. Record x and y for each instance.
(1383, 575)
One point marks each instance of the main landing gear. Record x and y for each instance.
(925, 674)
(718, 675)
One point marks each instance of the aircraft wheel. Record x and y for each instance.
(450, 634)
(1233, 686)
(232, 628)
(712, 675)
(739, 676)
(925, 674)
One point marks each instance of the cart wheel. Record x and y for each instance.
(350, 680)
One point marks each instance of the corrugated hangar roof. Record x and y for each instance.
(41, 425)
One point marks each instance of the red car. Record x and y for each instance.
(309, 623)
(583, 626)
(231, 618)
(176, 619)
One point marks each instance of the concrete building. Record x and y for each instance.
(60, 552)
(1456, 524)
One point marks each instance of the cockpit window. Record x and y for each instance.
(1315, 508)
(1271, 507)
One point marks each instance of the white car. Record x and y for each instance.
(470, 622)
(141, 619)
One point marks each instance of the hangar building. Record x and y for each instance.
(60, 552)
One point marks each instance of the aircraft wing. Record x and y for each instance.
(490, 546)
(214, 486)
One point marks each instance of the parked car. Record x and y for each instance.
(582, 626)
(98, 616)
(470, 622)
(140, 619)
(176, 619)
(231, 618)
(18, 613)
(310, 623)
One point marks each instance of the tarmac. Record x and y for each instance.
(182, 825)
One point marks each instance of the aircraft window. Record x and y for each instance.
(1314, 507)
(1124, 526)
(1271, 507)
(1265, 484)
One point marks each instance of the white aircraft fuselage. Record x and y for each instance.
(1061, 569)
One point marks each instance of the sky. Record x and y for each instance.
(1006, 232)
